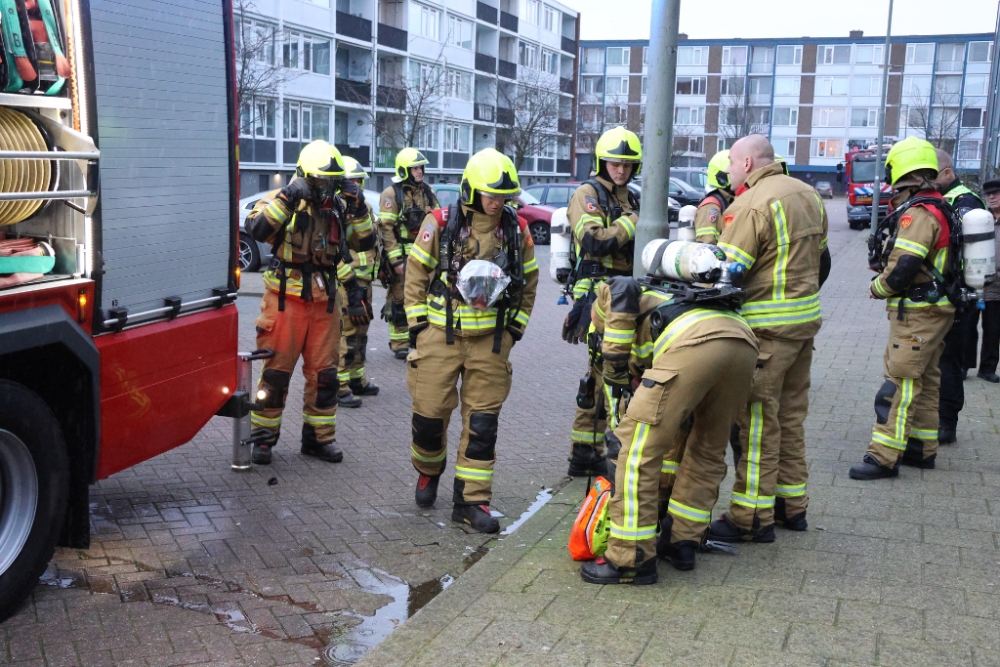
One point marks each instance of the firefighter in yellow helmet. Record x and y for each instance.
(708, 219)
(603, 216)
(402, 209)
(355, 285)
(304, 223)
(910, 251)
(465, 311)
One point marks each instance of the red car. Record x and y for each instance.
(537, 216)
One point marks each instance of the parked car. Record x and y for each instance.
(673, 210)
(254, 254)
(555, 195)
(824, 189)
(537, 217)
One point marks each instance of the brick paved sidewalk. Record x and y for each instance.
(894, 572)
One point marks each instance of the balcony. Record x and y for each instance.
(508, 21)
(486, 13)
(394, 38)
(566, 86)
(385, 158)
(390, 97)
(507, 70)
(356, 92)
(505, 116)
(359, 153)
(569, 45)
(485, 63)
(565, 126)
(545, 165)
(354, 26)
(485, 112)
(564, 166)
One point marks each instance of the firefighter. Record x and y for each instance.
(404, 205)
(708, 220)
(777, 229)
(990, 351)
(362, 239)
(460, 337)
(603, 217)
(304, 223)
(911, 280)
(957, 350)
(696, 361)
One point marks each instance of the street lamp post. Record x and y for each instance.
(879, 168)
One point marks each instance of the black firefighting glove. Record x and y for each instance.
(577, 323)
(514, 332)
(295, 191)
(359, 308)
(616, 376)
(353, 195)
(414, 331)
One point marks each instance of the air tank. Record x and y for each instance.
(560, 239)
(979, 250)
(684, 260)
(685, 223)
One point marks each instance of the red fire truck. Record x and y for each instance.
(118, 253)
(859, 167)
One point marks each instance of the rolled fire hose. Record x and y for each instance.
(19, 133)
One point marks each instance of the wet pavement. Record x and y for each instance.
(193, 564)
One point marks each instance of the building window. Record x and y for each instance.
(425, 21)
(306, 52)
(734, 55)
(645, 84)
(839, 54)
(868, 54)
(917, 86)
(832, 85)
(829, 116)
(619, 55)
(789, 55)
(550, 62)
(919, 54)
(255, 41)
(786, 116)
(760, 85)
(257, 118)
(615, 114)
(791, 148)
(593, 60)
(459, 32)
(691, 85)
(528, 55)
(529, 11)
(969, 150)
(689, 116)
(864, 117)
(456, 137)
(424, 76)
(787, 86)
(973, 117)
(866, 86)
(732, 85)
(827, 148)
(693, 55)
(976, 84)
(617, 85)
(427, 137)
(947, 86)
(592, 84)
(980, 52)
(458, 84)
(551, 19)
(950, 57)
(305, 122)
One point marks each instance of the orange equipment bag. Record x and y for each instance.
(589, 537)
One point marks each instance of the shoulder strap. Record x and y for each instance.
(397, 190)
(602, 194)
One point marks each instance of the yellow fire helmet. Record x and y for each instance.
(354, 171)
(909, 155)
(319, 159)
(406, 158)
(718, 177)
(784, 163)
(619, 145)
(489, 171)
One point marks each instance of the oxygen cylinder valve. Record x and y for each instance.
(981, 304)
(563, 301)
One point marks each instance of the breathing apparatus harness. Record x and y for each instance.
(588, 268)
(413, 216)
(456, 230)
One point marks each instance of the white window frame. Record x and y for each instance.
(791, 148)
(830, 117)
(984, 78)
(258, 127)
(978, 144)
(689, 116)
(989, 52)
(550, 62)
(832, 80)
(870, 116)
(458, 84)
(456, 26)
(530, 11)
(551, 19)
(829, 52)
(874, 85)
(699, 85)
(455, 135)
(303, 114)
(528, 54)
(910, 79)
(428, 136)
(622, 83)
(982, 118)
(876, 54)
(725, 84)
(727, 56)
(911, 53)
(592, 82)
(428, 21)
(796, 54)
(793, 117)
(796, 82)
(831, 147)
(698, 56)
(626, 56)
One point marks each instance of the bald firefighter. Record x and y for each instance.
(910, 249)
(304, 223)
(777, 229)
(708, 220)
(695, 359)
(403, 207)
(471, 279)
(603, 216)
(362, 238)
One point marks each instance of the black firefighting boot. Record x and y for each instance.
(370, 389)
(797, 522)
(585, 462)
(477, 516)
(870, 468)
(262, 446)
(913, 456)
(724, 530)
(324, 451)
(679, 554)
(947, 435)
(603, 571)
(427, 490)
(348, 400)
(402, 354)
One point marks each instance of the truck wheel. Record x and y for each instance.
(249, 254)
(34, 483)
(539, 233)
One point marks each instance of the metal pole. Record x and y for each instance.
(654, 222)
(990, 163)
(241, 425)
(879, 168)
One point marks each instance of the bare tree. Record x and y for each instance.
(534, 123)
(737, 118)
(940, 123)
(259, 73)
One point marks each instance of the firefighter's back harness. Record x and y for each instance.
(589, 268)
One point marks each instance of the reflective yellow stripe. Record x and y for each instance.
(924, 433)
(878, 289)
(583, 221)
(627, 224)
(758, 321)
(707, 231)
(791, 490)
(904, 405)
(344, 377)
(754, 441)
(687, 512)
(318, 420)
(619, 335)
(397, 336)
(388, 215)
(781, 264)
(888, 441)
(631, 477)
(395, 253)
(419, 310)
(823, 243)
(586, 437)
(913, 247)
(668, 467)
(737, 255)
(473, 474)
(683, 323)
(428, 459)
(464, 317)
(531, 265)
(633, 534)
(941, 260)
(424, 258)
(265, 422)
(344, 271)
(293, 287)
(522, 318)
(277, 211)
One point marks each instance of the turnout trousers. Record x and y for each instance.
(303, 329)
(433, 371)
(399, 334)
(589, 425)
(709, 381)
(772, 435)
(906, 405)
(353, 344)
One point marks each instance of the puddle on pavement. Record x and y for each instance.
(544, 496)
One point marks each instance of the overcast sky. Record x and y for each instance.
(629, 19)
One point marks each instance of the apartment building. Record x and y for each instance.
(815, 98)
(366, 74)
